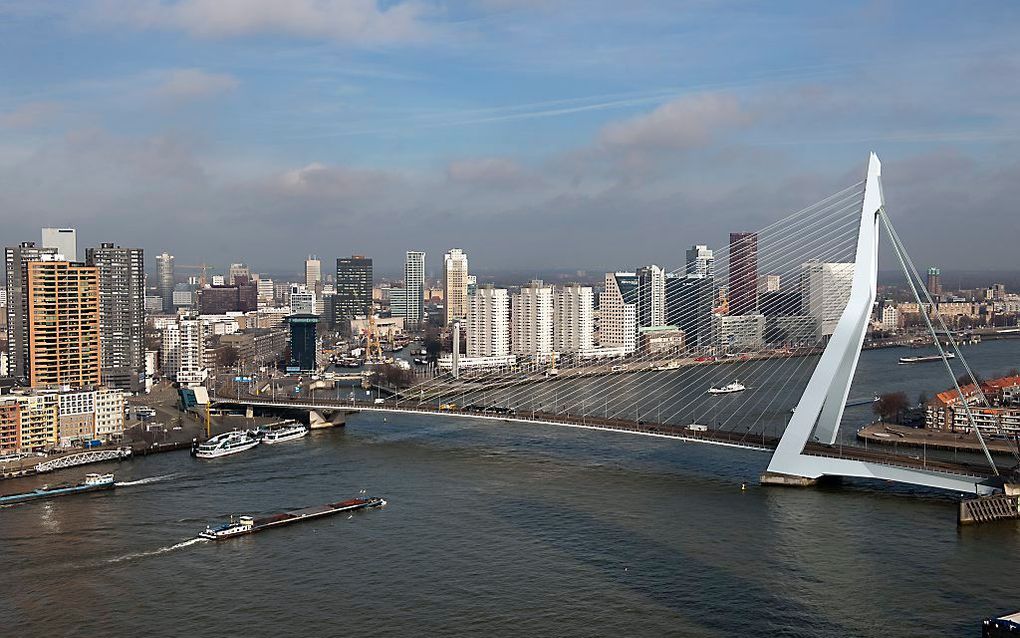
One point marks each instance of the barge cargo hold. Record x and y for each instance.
(92, 483)
(250, 525)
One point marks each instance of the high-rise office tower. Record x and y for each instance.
(304, 343)
(16, 259)
(574, 319)
(65, 240)
(414, 287)
(313, 271)
(934, 282)
(618, 311)
(63, 324)
(768, 283)
(488, 322)
(531, 311)
(455, 284)
(689, 302)
(742, 277)
(165, 281)
(121, 314)
(825, 292)
(353, 296)
(238, 275)
(700, 261)
(183, 353)
(651, 296)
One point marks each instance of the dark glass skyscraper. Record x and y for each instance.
(742, 278)
(304, 342)
(121, 314)
(353, 288)
(689, 301)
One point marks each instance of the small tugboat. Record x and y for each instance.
(250, 525)
(281, 433)
(224, 445)
(729, 388)
(925, 359)
(91, 483)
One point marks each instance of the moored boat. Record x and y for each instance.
(91, 483)
(225, 444)
(250, 524)
(282, 433)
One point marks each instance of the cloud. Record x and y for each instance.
(30, 115)
(487, 171)
(684, 123)
(347, 21)
(185, 85)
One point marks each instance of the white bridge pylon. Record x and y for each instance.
(820, 410)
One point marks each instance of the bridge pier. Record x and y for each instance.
(326, 418)
(786, 480)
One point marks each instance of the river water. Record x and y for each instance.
(506, 530)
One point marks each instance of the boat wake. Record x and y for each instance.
(147, 480)
(156, 552)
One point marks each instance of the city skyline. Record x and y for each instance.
(463, 124)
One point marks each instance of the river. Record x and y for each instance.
(506, 530)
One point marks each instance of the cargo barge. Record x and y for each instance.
(250, 525)
(91, 483)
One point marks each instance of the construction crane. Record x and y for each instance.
(373, 348)
(202, 267)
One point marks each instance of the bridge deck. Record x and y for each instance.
(761, 442)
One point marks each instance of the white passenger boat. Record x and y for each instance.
(729, 388)
(225, 444)
(283, 433)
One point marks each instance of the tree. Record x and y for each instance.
(891, 406)
(226, 357)
(922, 399)
(433, 344)
(393, 376)
(964, 379)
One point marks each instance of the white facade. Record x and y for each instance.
(574, 319)
(302, 300)
(488, 323)
(825, 291)
(768, 283)
(183, 299)
(651, 296)
(618, 312)
(102, 410)
(264, 289)
(532, 313)
(455, 284)
(183, 349)
(65, 240)
(700, 261)
(890, 318)
(414, 286)
(313, 271)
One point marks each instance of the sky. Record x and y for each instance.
(544, 134)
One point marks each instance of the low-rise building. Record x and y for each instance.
(948, 412)
(739, 332)
(661, 340)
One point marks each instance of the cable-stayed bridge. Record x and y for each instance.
(750, 363)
